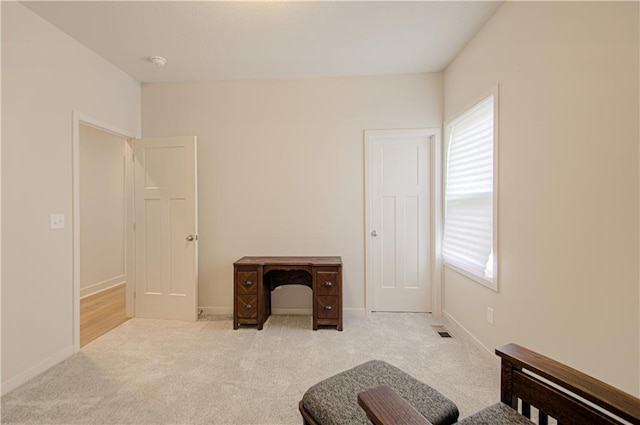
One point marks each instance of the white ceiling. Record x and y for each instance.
(207, 40)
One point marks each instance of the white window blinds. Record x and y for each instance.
(468, 223)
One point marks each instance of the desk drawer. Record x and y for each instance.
(247, 282)
(327, 307)
(247, 306)
(327, 282)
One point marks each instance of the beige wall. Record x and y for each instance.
(281, 167)
(102, 210)
(568, 183)
(46, 75)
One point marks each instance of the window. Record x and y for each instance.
(469, 239)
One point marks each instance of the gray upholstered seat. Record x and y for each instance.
(497, 414)
(334, 401)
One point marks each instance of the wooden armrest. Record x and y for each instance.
(385, 407)
(597, 392)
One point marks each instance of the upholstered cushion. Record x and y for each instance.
(334, 401)
(498, 414)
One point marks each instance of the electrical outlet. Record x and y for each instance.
(56, 221)
(490, 315)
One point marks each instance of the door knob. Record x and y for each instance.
(374, 233)
(190, 238)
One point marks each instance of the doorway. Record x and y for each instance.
(401, 179)
(103, 232)
(102, 229)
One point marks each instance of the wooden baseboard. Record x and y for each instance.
(102, 312)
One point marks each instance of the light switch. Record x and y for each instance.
(490, 313)
(56, 221)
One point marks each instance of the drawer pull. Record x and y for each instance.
(247, 306)
(248, 283)
(327, 307)
(328, 284)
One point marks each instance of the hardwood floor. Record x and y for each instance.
(101, 312)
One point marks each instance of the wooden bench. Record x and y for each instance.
(529, 382)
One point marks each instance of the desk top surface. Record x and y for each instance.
(290, 261)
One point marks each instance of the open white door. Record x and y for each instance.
(399, 217)
(166, 228)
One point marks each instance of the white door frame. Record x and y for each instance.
(79, 118)
(434, 135)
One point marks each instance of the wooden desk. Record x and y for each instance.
(255, 278)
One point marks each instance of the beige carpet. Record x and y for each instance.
(165, 372)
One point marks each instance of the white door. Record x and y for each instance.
(166, 228)
(399, 184)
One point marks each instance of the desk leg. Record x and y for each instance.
(264, 313)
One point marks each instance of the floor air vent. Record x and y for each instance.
(442, 331)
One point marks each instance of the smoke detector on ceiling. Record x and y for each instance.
(158, 61)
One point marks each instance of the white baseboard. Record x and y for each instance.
(464, 334)
(103, 286)
(223, 311)
(355, 313)
(216, 311)
(292, 311)
(32, 372)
